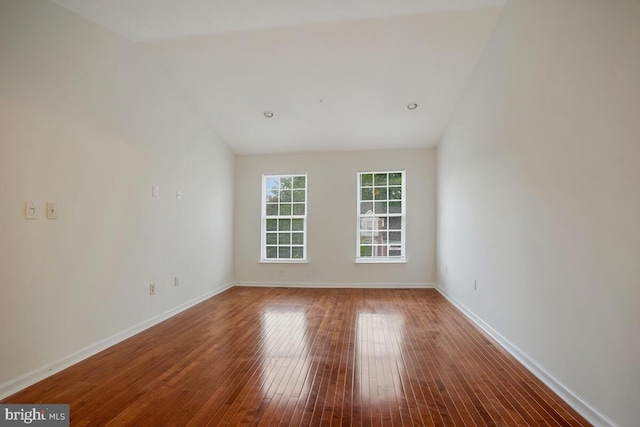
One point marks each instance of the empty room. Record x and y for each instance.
(320, 212)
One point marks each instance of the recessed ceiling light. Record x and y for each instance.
(268, 114)
(412, 106)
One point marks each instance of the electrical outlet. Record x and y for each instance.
(176, 281)
(475, 285)
(152, 289)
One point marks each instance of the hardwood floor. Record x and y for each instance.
(306, 357)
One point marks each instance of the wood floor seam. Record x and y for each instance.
(254, 356)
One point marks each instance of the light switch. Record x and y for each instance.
(154, 191)
(30, 210)
(52, 211)
(178, 195)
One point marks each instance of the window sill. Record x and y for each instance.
(284, 261)
(399, 260)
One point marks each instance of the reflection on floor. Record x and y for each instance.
(285, 357)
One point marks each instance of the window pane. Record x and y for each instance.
(395, 223)
(365, 239)
(284, 238)
(366, 194)
(379, 250)
(272, 224)
(365, 251)
(297, 239)
(298, 208)
(272, 196)
(272, 252)
(298, 195)
(297, 253)
(297, 224)
(284, 224)
(381, 207)
(395, 237)
(299, 182)
(272, 209)
(273, 183)
(370, 223)
(395, 193)
(395, 178)
(381, 194)
(395, 252)
(285, 183)
(395, 207)
(366, 180)
(284, 252)
(285, 208)
(381, 237)
(272, 238)
(380, 179)
(285, 195)
(382, 223)
(366, 207)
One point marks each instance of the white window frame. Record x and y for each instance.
(291, 216)
(363, 218)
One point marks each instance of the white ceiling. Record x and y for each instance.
(169, 19)
(338, 74)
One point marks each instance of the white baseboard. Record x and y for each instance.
(584, 408)
(574, 400)
(337, 285)
(15, 385)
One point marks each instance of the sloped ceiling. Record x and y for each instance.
(338, 75)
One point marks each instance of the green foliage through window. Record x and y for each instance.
(284, 217)
(381, 215)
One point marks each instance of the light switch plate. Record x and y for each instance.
(52, 211)
(30, 210)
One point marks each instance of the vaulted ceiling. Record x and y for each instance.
(337, 74)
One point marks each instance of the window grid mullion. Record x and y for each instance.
(369, 231)
(274, 190)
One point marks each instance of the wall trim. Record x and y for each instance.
(15, 385)
(572, 398)
(337, 285)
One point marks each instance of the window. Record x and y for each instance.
(284, 218)
(381, 217)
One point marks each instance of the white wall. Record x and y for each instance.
(87, 124)
(332, 219)
(539, 195)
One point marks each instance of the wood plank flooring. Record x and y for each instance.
(306, 357)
